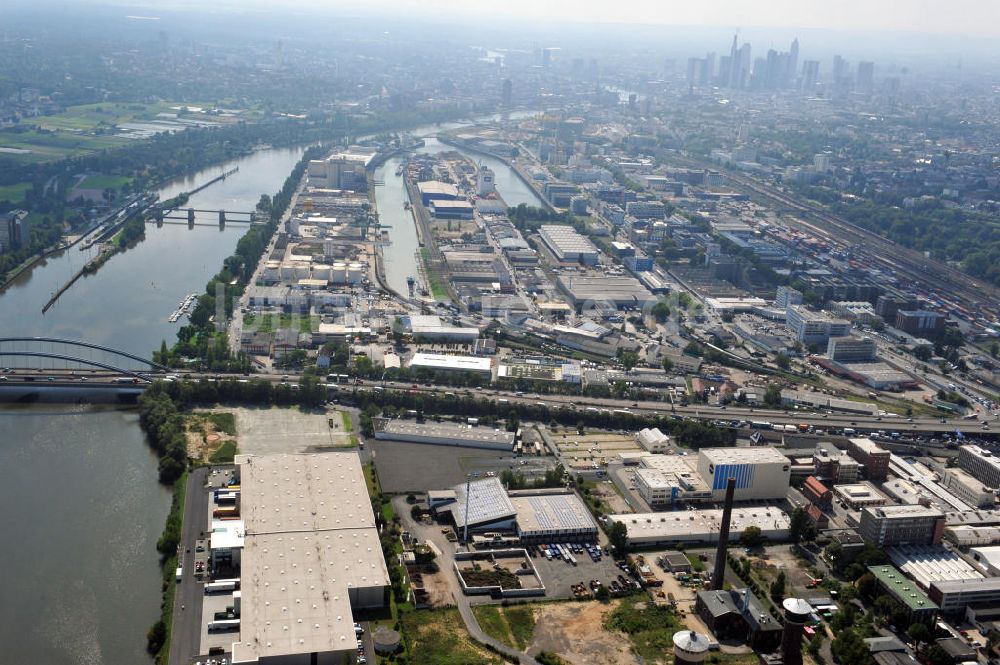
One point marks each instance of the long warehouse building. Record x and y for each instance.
(311, 556)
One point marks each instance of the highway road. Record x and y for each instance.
(830, 423)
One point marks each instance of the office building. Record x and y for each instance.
(920, 322)
(981, 463)
(873, 458)
(968, 488)
(852, 349)
(567, 245)
(761, 473)
(886, 526)
(817, 328)
(786, 296)
(830, 464)
(859, 495)
(666, 479)
(311, 556)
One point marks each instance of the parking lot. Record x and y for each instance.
(559, 575)
(418, 467)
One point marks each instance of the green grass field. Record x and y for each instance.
(438, 637)
(14, 193)
(514, 626)
(103, 182)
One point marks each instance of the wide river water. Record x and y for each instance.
(82, 509)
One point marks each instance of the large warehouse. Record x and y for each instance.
(483, 505)
(311, 555)
(699, 526)
(761, 472)
(586, 292)
(543, 517)
(438, 362)
(443, 434)
(567, 245)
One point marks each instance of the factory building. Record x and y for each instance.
(738, 615)
(653, 440)
(604, 291)
(981, 463)
(667, 479)
(954, 596)
(443, 434)
(816, 492)
(829, 463)
(761, 472)
(435, 190)
(872, 457)
(699, 526)
(918, 606)
(568, 246)
(968, 488)
(437, 362)
(311, 557)
(343, 170)
(902, 525)
(482, 505)
(458, 209)
(433, 329)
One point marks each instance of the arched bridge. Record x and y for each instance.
(59, 354)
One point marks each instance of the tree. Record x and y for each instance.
(156, 637)
(800, 526)
(922, 353)
(581, 427)
(783, 361)
(660, 311)
(849, 648)
(668, 365)
(938, 656)
(628, 359)
(752, 537)
(602, 594)
(920, 634)
(772, 396)
(867, 586)
(778, 588)
(618, 535)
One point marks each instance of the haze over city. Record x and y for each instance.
(555, 333)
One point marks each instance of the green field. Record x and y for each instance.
(514, 626)
(103, 182)
(14, 193)
(438, 637)
(270, 322)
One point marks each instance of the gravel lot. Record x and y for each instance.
(275, 430)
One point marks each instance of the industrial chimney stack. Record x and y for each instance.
(720, 554)
(797, 613)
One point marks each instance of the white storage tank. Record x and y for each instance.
(355, 272)
(321, 271)
(287, 273)
(293, 226)
(302, 271)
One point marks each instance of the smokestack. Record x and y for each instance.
(720, 553)
(797, 612)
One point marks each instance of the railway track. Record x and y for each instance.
(918, 270)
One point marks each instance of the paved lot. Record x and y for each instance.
(268, 431)
(559, 575)
(406, 467)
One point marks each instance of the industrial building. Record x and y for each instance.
(438, 362)
(829, 463)
(955, 596)
(981, 463)
(479, 505)
(311, 556)
(926, 564)
(618, 292)
(919, 608)
(667, 479)
(568, 246)
(761, 472)
(699, 526)
(920, 322)
(902, 525)
(737, 614)
(443, 434)
(851, 349)
(816, 492)
(968, 488)
(860, 495)
(872, 457)
(434, 190)
(653, 440)
(542, 517)
(448, 209)
(433, 329)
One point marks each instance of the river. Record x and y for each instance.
(81, 515)
(82, 509)
(399, 255)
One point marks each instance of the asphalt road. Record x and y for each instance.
(185, 637)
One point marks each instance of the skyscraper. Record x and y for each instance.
(506, 93)
(810, 74)
(866, 76)
(792, 70)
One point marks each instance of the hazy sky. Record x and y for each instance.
(971, 17)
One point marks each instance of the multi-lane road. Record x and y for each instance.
(827, 422)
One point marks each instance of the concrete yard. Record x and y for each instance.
(584, 451)
(418, 467)
(270, 431)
